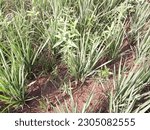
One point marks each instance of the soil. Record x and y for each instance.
(54, 98)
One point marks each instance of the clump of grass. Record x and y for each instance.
(18, 53)
(12, 82)
(82, 61)
(128, 89)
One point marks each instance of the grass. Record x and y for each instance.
(85, 36)
(128, 89)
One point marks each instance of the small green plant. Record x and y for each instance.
(104, 72)
(66, 88)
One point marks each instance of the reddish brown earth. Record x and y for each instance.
(52, 95)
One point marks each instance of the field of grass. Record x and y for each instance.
(75, 56)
